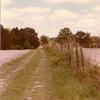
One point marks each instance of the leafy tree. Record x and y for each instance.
(95, 41)
(15, 38)
(24, 38)
(64, 37)
(5, 38)
(83, 38)
(44, 40)
(26, 44)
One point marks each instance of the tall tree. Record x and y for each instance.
(83, 38)
(64, 37)
(24, 38)
(44, 40)
(5, 38)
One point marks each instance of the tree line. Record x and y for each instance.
(83, 39)
(27, 38)
(70, 46)
(15, 38)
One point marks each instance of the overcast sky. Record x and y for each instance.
(49, 16)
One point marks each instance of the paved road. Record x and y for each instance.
(7, 55)
(93, 55)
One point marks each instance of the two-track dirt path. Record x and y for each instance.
(9, 71)
(41, 87)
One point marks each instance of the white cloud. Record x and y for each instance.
(32, 10)
(66, 1)
(49, 21)
(87, 22)
(96, 9)
(5, 3)
(62, 15)
(34, 14)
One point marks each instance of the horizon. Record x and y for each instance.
(47, 17)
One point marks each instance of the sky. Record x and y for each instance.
(47, 17)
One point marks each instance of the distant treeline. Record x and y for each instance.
(15, 38)
(84, 39)
(27, 38)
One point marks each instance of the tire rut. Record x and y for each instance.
(40, 88)
(7, 78)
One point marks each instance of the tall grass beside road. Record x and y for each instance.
(68, 83)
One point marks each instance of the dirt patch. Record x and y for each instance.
(6, 76)
(40, 89)
(8, 55)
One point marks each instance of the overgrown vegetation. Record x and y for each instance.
(24, 38)
(70, 83)
(27, 38)
(44, 40)
(83, 39)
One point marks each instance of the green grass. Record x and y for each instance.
(67, 83)
(16, 90)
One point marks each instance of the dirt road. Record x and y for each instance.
(7, 55)
(30, 78)
(40, 89)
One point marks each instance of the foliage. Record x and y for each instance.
(68, 84)
(24, 38)
(95, 41)
(44, 39)
(83, 38)
(64, 35)
(5, 38)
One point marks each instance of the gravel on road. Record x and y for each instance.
(8, 55)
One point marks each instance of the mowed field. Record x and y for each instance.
(8, 55)
(93, 55)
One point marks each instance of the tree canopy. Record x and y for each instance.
(24, 38)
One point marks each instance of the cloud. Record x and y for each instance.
(96, 9)
(24, 15)
(50, 19)
(32, 10)
(67, 1)
(28, 11)
(62, 15)
(87, 20)
(5, 3)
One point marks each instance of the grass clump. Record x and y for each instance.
(68, 83)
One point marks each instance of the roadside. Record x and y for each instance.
(46, 75)
(9, 70)
(69, 83)
(17, 76)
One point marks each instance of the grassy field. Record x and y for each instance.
(67, 83)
